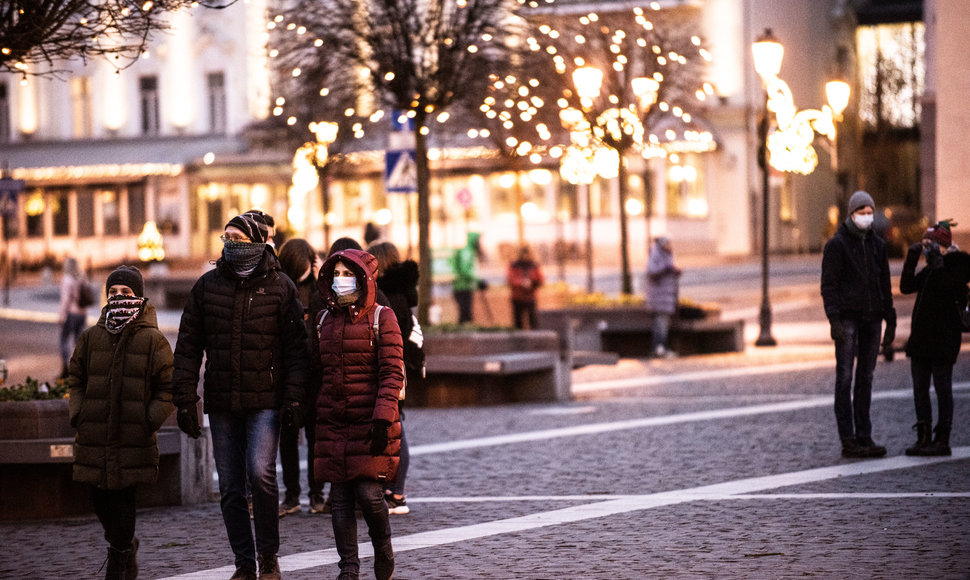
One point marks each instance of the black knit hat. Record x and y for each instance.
(129, 276)
(253, 225)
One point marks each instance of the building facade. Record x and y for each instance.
(103, 152)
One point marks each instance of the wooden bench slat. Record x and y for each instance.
(491, 364)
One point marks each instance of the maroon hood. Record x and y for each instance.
(364, 265)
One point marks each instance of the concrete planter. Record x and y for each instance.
(36, 464)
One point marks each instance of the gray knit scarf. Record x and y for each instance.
(243, 256)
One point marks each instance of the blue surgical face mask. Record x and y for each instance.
(344, 285)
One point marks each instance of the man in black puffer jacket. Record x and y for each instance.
(245, 317)
(857, 295)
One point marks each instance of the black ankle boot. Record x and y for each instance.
(117, 564)
(941, 443)
(924, 436)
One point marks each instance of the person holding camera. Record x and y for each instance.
(935, 332)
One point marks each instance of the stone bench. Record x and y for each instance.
(489, 368)
(36, 463)
(627, 331)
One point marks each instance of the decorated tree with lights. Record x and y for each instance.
(317, 112)
(419, 57)
(618, 74)
(36, 36)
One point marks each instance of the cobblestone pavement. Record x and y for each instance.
(735, 476)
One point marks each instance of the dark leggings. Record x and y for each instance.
(115, 509)
(922, 370)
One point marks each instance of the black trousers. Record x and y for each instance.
(115, 509)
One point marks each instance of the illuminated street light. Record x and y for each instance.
(788, 148)
(767, 53)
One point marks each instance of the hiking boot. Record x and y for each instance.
(396, 505)
(852, 449)
(244, 573)
(290, 505)
(117, 564)
(269, 567)
(940, 445)
(871, 447)
(317, 504)
(924, 436)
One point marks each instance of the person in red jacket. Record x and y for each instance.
(358, 431)
(524, 278)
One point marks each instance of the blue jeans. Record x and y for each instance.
(661, 329)
(70, 330)
(860, 349)
(244, 447)
(369, 495)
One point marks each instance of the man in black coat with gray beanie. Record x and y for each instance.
(857, 295)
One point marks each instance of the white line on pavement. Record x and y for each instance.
(738, 489)
(706, 375)
(595, 428)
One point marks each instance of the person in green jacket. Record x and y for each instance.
(120, 394)
(464, 264)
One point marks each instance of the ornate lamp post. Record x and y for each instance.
(767, 53)
(789, 147)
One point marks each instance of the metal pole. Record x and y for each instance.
(765, 338)
(589, 239)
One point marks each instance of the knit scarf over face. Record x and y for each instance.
(243, 256)
(121, 310)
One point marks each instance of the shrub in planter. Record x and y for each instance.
(33, 390)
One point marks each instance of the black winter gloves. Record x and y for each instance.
(291, 416)
(377, 436)
(889, 335)
(188, 420)
(835, 330)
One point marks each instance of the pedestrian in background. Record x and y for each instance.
(72, 315)
(245, 318)
(857, 296)
(300, 262)
(524, 278)
(120, 394)
(663, 292)
(358, 434)
(398, 280)
(464, 267)
(935, 333)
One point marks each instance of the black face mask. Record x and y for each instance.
(243, 256)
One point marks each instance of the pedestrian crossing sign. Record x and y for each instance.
(400, 172)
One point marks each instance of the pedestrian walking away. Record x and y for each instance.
(300, 262)
(857, 297)
(358, 437)
(663, 293)
(935, 332)
(73, 310)
(120, 394)
(245, 318)
(398, 281)
(524, 278)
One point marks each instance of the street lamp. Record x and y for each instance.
(789, 147)
(767, 53)
(326, 134)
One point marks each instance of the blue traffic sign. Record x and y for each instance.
(400, 172)
(9, 190)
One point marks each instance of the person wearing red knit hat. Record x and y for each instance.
(935, 333)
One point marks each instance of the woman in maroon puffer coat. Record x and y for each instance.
(358, 432)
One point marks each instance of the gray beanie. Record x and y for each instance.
(860, 199)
